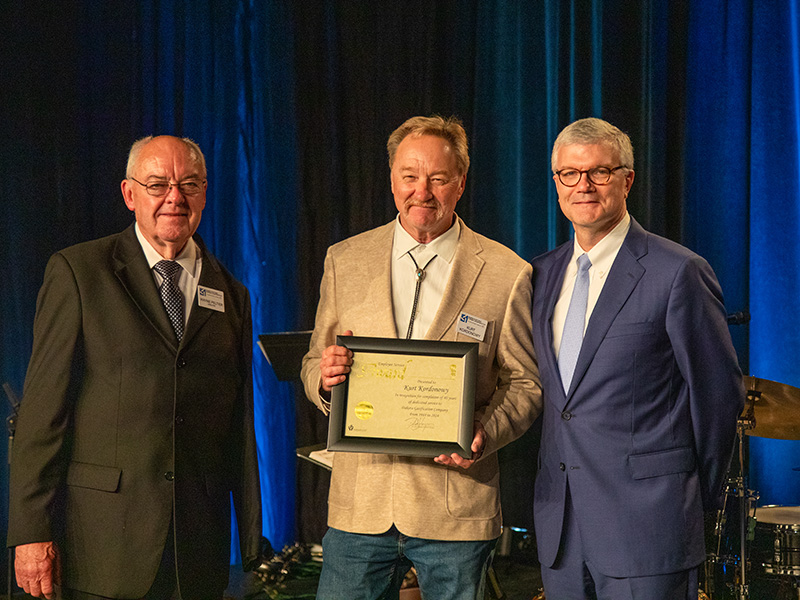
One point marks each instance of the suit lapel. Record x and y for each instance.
(552, 288)
(624, 276)
(467, 265)
(130, 267)
(376, 268)
(210, 277)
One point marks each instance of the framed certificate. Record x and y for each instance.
(408, 397)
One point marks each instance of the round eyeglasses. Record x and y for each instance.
(162, 188)
(597, 175)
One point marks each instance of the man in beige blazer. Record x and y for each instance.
(442, 515)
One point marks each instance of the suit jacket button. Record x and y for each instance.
(179, 420)
(170, 476)
(181, 362)
(566, 415)
(562, 466)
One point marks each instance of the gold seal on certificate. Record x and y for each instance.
(411, 397)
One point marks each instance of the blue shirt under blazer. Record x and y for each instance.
(644, 435)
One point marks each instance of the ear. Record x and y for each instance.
(629, 181)
(127, 193)
(462, 186)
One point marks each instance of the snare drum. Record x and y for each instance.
(777, 540)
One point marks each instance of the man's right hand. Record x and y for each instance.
(335, 364)
(38, 569)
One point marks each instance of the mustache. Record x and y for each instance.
(432, 203)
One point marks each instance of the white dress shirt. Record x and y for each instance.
(602, 257)
(190, 258)
(404, 277)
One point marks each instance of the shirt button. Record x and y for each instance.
(169, 475)
(566, 415)
(562, 466)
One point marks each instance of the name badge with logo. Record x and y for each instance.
(210, 298)
(472, 326)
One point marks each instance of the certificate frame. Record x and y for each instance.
(466, 355)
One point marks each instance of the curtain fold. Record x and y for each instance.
(774, 216)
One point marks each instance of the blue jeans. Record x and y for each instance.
(371, 567)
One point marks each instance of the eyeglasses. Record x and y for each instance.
(596, 175)
(162, 188)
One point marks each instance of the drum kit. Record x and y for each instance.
(756, 550)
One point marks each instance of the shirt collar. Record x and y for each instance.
(443, 246)
(187, 258)
(604, 252)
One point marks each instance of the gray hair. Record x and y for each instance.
(595, 131)
(136, 148)
(450, 129)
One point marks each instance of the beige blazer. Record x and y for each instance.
(371, 492)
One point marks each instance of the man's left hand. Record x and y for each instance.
(478, 444)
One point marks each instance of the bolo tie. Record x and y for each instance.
(420, 275)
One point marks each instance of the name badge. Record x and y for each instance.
(472, 326)
(210, 298)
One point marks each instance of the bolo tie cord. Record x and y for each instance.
(420, 273)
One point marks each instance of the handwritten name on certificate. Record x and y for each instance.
(400, 396)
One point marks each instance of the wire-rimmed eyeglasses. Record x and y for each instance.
(191, 187)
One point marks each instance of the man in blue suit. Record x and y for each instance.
(642, 389)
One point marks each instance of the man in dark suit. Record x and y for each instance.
(642, 389)
(137, 418)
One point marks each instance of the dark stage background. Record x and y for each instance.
(292, 103)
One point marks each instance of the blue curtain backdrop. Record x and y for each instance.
(292, 103)
(774, 259)
(743, 161)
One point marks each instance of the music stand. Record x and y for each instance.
(284, 352)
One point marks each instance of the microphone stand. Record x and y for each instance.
(11, 426)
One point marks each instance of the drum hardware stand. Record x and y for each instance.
(745, 496)
(737, 486)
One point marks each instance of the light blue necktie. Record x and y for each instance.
(572, 338)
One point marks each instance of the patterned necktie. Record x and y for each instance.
(572, 338)
(171, 294)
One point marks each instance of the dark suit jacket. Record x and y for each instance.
(644, 435)
(122, 430)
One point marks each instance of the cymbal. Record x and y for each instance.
(776, 409)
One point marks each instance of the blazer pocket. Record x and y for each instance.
(95, 477)
(473, 495)
(665, 462)
(622, 329)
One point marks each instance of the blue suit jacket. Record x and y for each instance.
(644, 435)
